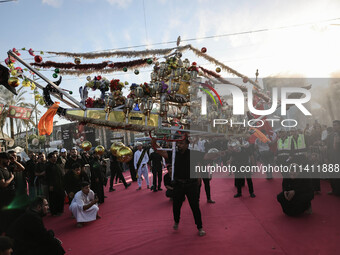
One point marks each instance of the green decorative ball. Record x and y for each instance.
(55, 75)
(136, 72)
(125, 69)
(149, 61)
(56, 70)
(71, 92)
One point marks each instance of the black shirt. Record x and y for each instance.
(185, 163)
(6, 174)
(70, 161)
(156, 161)
(167, 180)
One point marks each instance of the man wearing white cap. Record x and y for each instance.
(141, 159)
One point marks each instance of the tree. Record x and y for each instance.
(15, 100)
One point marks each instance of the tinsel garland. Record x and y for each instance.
(128, 54)
(95, 67)
(218, 63)
(144, 53)
(209, 72)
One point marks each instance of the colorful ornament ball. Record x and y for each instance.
(38, 59)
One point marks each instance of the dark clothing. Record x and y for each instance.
(185, 163)
(116, 170)
(156, 164)
(239, 182)
(206, 182)
(189, 190)
(73, 181)
(30, 171)
(54, 178)
(239, 159)
(7, 194)
(70, 161)
(302, 198)
(184, 185)
(32, 238)
(97, 179)
(167, 182)
(132, 170)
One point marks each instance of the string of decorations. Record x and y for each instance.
(104, 67)
(127, 54)
(202, 53)
(94, 66)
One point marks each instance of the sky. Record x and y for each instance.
(296, 39)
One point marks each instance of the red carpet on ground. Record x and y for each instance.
(140, 222)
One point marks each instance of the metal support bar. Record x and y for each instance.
(55, 95)
(12, 54)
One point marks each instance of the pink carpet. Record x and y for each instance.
(140, 222)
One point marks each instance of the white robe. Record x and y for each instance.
(80, 199)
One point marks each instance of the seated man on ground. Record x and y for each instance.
(30, 235)
(168, 183)
(84, 205)
(297, 192)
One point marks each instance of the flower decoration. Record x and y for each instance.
(89, 102)
(146, 89)
(115, 85)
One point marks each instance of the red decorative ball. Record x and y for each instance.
(38, 59)
(99, 78)
(194, 63)
(204, 50)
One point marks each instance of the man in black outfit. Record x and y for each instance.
(242, 156)
(183, 184)
(30, 235)
(297, 193)
(157, 167)
(74, 158)
(73, 179)
(132, 166)
(168, 183)
(97, 177)
(116, 170)
(54, 179)
(7, 185)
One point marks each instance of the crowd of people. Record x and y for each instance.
(80, 179)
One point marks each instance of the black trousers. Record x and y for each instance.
(191, 191)
(206, 182)
(118, 173)
(297, 205)
(56, 202)
(132, 172)
(157, 174)
(98, 189)
(239, 182)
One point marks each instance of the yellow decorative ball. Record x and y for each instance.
(86, 145)
(13, 82)
(115, 147)
(77, 61)
(218, 69)
(124, 154)
(100, 150)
